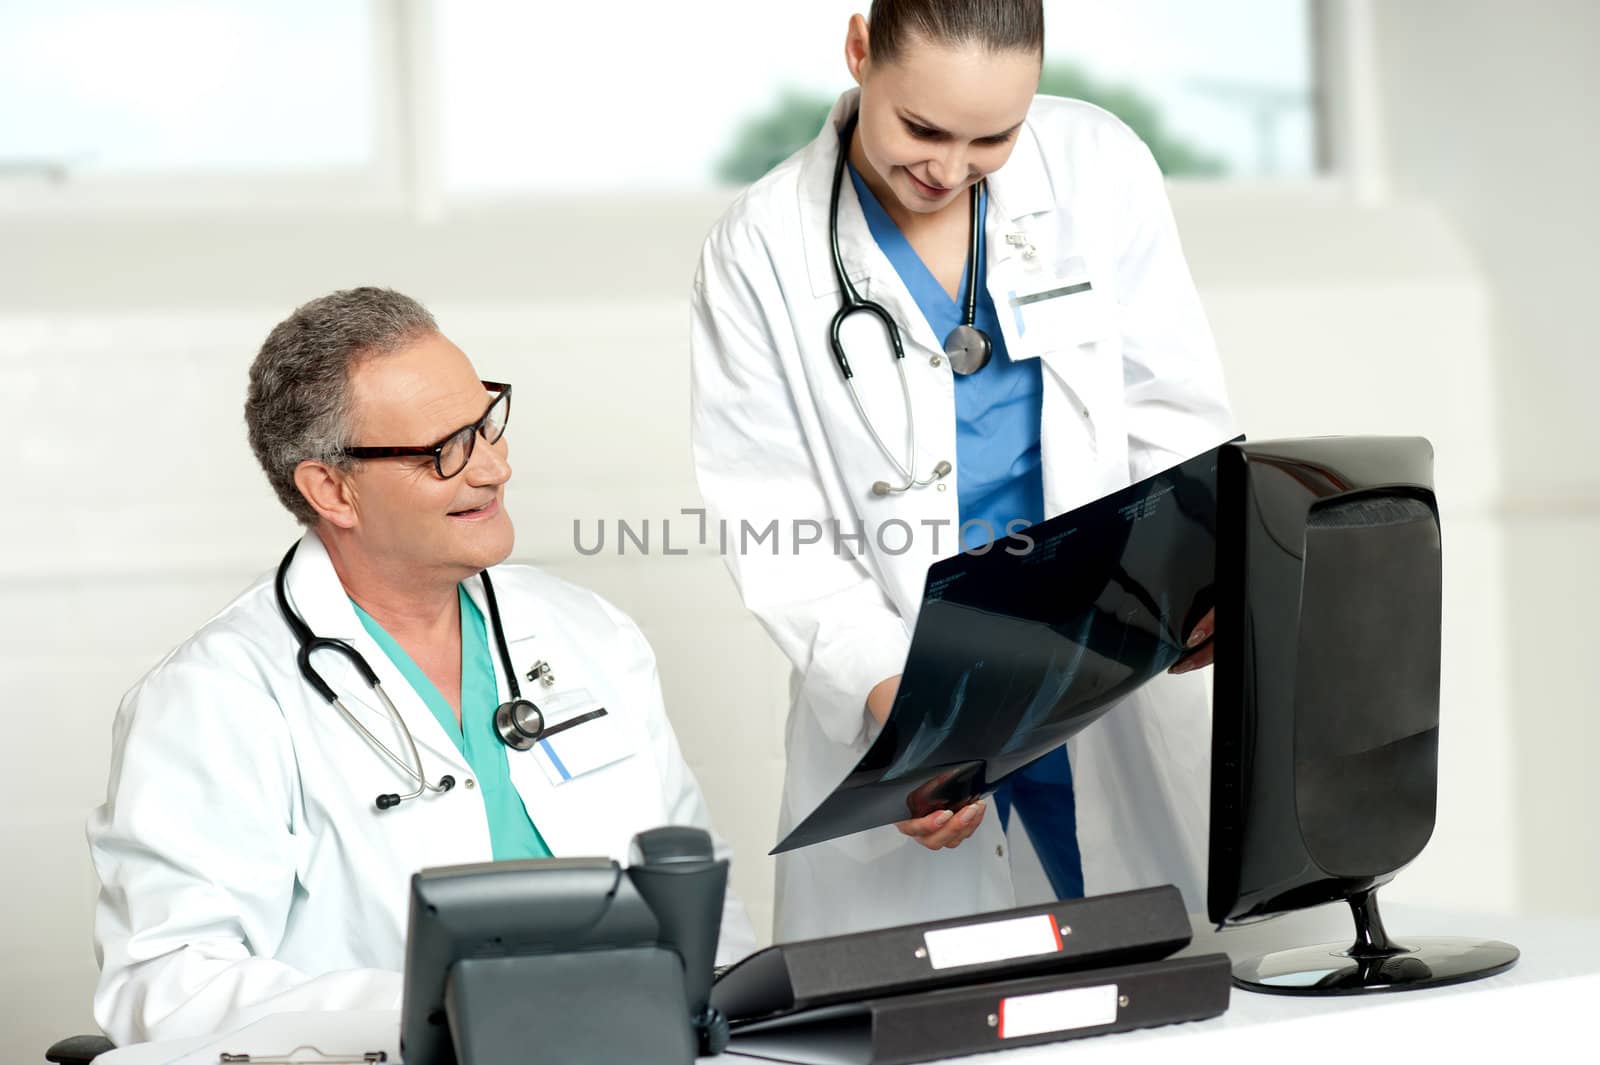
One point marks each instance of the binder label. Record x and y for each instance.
(1058, 1011)
(992, 941)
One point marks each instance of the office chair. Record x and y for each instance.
(78, 1049)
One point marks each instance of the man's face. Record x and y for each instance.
(407, 517)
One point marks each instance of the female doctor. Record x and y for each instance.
(1020, 254)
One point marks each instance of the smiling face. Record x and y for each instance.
(404, 518)
(936, 118)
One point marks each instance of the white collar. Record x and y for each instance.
(1020, 188)
(320, 598)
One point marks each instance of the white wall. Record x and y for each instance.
(1491, 112)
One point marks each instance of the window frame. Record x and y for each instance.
(1346, 110)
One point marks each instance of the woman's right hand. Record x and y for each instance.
(945, 828)
(880, 700)
(941, 828)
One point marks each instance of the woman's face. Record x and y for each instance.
(936, 119)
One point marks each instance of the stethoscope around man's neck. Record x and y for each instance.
(967, 347)
(519, 723)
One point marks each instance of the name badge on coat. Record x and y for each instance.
(1056, 309)
(588, 745)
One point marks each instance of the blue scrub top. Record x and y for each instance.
(512, 833)
(999, 477)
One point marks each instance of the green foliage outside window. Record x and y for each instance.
(767, 139)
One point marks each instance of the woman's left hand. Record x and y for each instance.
(1200, 650)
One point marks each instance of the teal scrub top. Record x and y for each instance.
(512, 833)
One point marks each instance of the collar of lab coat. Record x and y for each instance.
(1016, 190)
(317, 594)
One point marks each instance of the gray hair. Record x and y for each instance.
(298, 405)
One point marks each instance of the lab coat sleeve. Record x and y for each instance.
(197, 861)
(680, 791)
(755, 465)
(1177, 405)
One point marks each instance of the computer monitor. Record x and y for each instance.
(1326, 718)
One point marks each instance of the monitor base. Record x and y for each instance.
(1374, 962)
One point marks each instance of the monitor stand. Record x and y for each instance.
(1373, 962)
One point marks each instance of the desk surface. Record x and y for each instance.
(1548, 994)
(1547, 999)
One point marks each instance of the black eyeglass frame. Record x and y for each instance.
(501, 392)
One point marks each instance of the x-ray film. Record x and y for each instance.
(1017, 649)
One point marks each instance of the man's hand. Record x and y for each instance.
(1201, 649)
(942, 828)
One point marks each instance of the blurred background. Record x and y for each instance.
(1388, 207)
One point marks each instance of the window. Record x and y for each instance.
(1221, 88)
(384, 102)
(102, 87)
(538, 98)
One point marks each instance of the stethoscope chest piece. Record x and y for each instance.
(968, 348)
(520, 723)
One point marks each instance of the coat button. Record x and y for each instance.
(936, 362)
(1000, 850)
(942, 486)
(471, 783)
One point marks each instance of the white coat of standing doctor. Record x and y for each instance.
(244, 867)
(1131, 384)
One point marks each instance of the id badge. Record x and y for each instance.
(588, 744)
(1057, 310)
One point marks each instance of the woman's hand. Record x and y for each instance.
(880, 700)
(942, 828)
(945, 828)
(1200, 648)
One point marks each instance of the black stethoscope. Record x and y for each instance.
(518, 721)
(967, 347)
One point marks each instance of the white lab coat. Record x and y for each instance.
(244, 868)
(1132, 384)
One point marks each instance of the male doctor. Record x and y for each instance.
(246, 868)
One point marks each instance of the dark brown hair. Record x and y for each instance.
(999, 25)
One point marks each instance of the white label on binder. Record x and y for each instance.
(1058, 1011)
(992, 941)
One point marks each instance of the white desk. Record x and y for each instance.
(1549, 1000)
(1551, 997)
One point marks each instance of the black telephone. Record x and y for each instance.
(567, 959)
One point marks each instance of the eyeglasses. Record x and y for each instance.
(451, 455)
